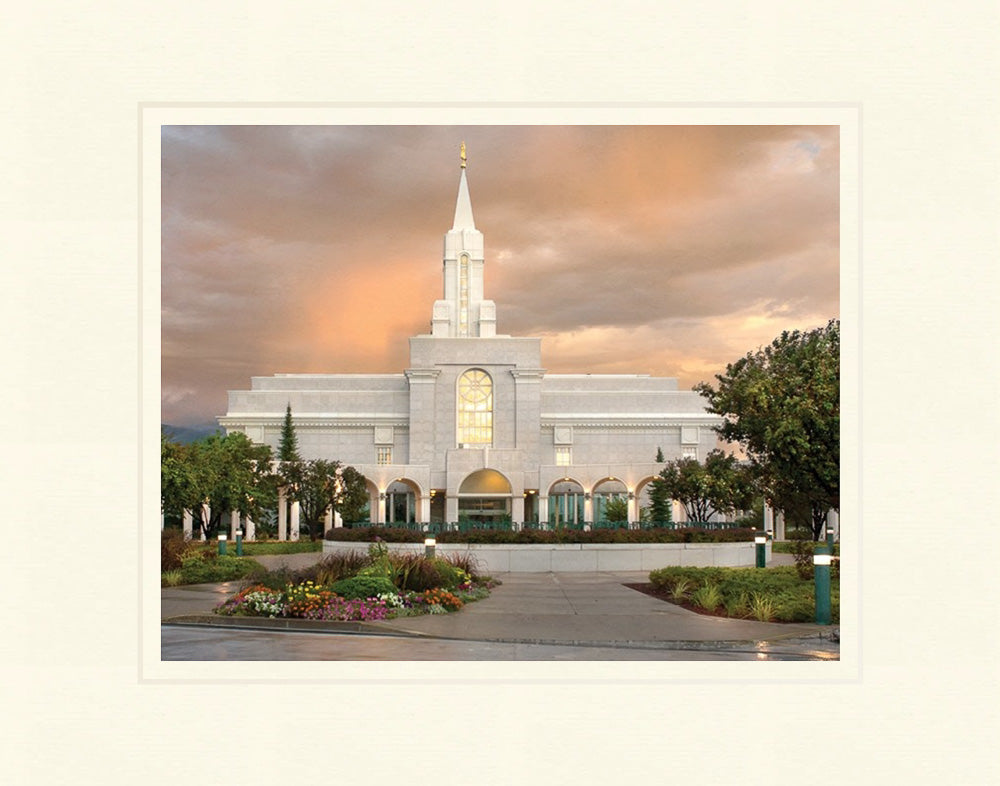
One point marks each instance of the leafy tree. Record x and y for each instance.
(317, 488)
(660, 507)
(720, 485)
(616, 509)
(229, 472)
(353, 501)
(320, 485)
(782, 405)
(178, 481)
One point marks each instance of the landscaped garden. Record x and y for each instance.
(532, 534)
(358, 585)
(778, 594)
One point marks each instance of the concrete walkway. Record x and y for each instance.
(535, 608)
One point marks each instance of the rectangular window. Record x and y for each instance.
(690, 453)
(564, 456)
(385, 455)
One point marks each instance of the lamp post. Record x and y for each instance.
(429, 545)
(760, 538)
(239, 543)
(821, 578)
(222, 544)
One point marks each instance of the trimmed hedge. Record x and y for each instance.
(527, 536)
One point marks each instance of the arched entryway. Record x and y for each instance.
(484, 497)
(610, 500)
(402, 502)
(566, 503)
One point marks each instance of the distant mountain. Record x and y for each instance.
(188, 434)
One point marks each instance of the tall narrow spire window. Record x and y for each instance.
(475, 408)
(463, 295)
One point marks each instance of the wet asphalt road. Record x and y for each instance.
(190, 643)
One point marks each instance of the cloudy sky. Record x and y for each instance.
(667, 250)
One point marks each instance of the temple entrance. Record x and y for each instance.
(484, 498)
(566, 503)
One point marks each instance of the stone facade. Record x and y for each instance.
(475, 427)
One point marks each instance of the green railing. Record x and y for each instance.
(436, 527)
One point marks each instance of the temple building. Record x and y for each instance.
(475, 428)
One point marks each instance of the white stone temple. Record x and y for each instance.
(475, 428)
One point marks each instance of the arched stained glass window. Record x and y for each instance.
(475, 408)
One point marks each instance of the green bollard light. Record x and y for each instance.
(821, 578)
(760, 539)
(239, 543)
(222, 544)
(429, 547)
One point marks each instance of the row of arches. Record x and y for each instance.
(487, 495)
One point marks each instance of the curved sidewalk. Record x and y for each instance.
(531, 608)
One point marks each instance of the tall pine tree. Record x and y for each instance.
(660, 507)
(288, 448)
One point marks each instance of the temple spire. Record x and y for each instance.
(463, 207)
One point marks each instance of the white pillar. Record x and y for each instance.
(206, 517)
(163, 522)
(424, 509)
(633, 507)
(337, 520)
(543, 510)
(380, 516)
(251, 532)
(517, 510)
(187, 524)
(676, 512)
(450, 509)
(234, 525)
(779, 525)
(294, 523)
(833, 523)
(328, 520)
(588, 508)
(769, 519)
(282, 515)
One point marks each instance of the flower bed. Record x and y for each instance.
(357, 588)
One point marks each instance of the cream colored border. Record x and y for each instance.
(847, 116)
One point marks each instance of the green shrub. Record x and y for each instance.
(773, 593)
(708, 596)
(334, 567)
(257, 547)
(363, 587)
(171, 578)
(173, 548)
(200, 568)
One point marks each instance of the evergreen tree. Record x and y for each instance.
(660, 508)
(288, 448)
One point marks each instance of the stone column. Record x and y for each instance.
(282, 515)
(769, 519)
(424, 509)
(294, 523)
(187, 524)
(779, 525)
(543, 510)
(380, 519)
(588, 508)
(251, 533)
(328, 520)
(163, 521)
(633, 508)
(206, 517)
(234, 524)
(517, 510)
(450, 509)
(833, 523)
(676, 511)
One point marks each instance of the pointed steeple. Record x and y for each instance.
(463, 207)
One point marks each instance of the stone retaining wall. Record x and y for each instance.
(581, 557)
